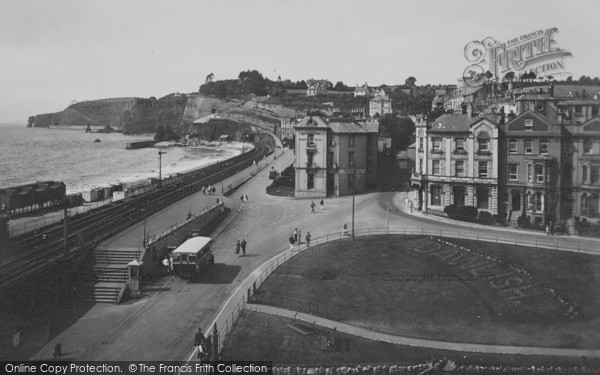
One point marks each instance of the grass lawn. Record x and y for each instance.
(382, 283)
(259, 336)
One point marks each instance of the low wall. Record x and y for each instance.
(158, 245)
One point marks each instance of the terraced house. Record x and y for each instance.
(457, 162)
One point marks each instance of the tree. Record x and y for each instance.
(339, 86)
(252, 81)
(160, 133)
(570, 79)
(30, 121)
(410, 81)
(209, 78)
(401, 130)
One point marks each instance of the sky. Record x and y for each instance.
(53, 53)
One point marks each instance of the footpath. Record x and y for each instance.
(432, 344)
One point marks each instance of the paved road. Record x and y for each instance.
(162, 324)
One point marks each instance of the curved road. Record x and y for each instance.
(162, 324)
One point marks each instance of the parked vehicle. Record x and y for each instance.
(191, 255)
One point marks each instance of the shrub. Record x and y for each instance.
(485, 217)
(451, 211)
(499, 219)
(467, 213)
(523, 222)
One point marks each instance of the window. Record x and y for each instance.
(528, 146)
(483, 169)
(584, 174)
(543, 146)
(437, 144)
(528, 124)
(311, 139)
(539, 173)
(539, 202)
(483, 200)
(435, 167)
(529, 173)
(595, 110)
(539, 106)
(460, 167)
(578, 111)
(310, 181)
(512, 146)
(513, 172)
(436, 195)
(421, 141)
(585, 208)
(310, 159)
(484, 142)
(351, 140)
(460, 145)
(351, 160)
(587, 146)
(595, 175)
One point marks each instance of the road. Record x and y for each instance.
(162, 324)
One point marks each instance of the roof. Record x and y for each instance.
(372, 126)
(451, 123)
(535, 97)
(346, 127)
(313, 122)
(579, 102)
(193, 245)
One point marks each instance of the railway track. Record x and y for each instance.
(32, 254)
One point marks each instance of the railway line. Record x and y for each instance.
(32, 254)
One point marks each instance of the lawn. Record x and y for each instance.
(398, 285)
(258, 336)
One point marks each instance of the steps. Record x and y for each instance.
(105, 276)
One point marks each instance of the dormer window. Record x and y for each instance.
(483, 139)
(528, 125)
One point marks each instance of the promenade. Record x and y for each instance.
(161, 325)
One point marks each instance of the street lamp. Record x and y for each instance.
(160, 154)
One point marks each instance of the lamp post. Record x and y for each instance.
(160, 154)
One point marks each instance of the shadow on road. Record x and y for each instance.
(218, 273)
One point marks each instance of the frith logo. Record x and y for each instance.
(533, 52)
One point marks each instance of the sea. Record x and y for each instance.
(70, 155)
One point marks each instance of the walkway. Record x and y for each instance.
(444, 345)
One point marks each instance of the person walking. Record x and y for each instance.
(291, 239)
(199, 340)
(345, 229)
(307, 238)
(171, 260)
(189, 215)
(165, 263)
(322, 204)
(243, 246)
(296, 235)
(237, 248)
(242, 198)
(312, 207)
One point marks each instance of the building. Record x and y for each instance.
(533, 159)
(316, 87)
(380, 105)
(457, 162)
(334, 157)
(362, 90)
(285, 128)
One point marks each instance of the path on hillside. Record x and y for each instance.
(432, 344)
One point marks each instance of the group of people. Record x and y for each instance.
(296, 238)
(167, 263)
(202, 344)
(241, 247)
(244, 198)
(313, 205)
(209, 189)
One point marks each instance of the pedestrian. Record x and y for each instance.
(292, 241)
(312, 207)
(208, 189)
(244, 246)
(242, 198)
(165, 263)
(214, 190)
(199, 340)
(237, 247)
(345, 229)
(246, 197)
(44, 236)
(171, 260)
(189, 215)
(322, 204)
(307, 239)
(203, 190)
(296, 235)
(547, 229)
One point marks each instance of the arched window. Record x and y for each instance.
(483, 139)
(539, 202)
(584, 174)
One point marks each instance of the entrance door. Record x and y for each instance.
(330, 183)
(459, 194)
(515, 200)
